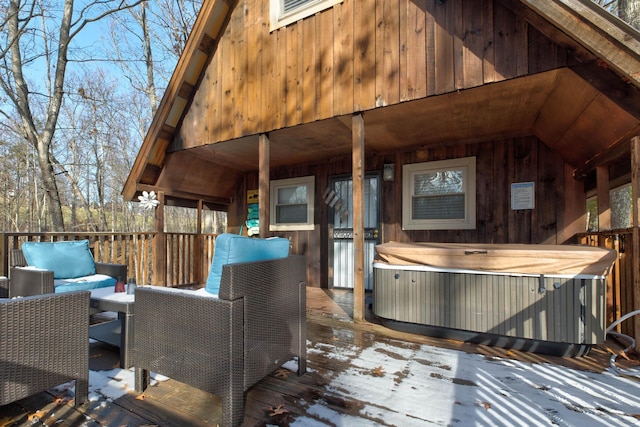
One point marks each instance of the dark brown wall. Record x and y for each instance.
(558, 215)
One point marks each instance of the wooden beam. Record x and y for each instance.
(635, 200)
(207, 44)
(150, 174)
(159, 247)
(357, 132)
(263, 185)
(186, 91)
(604, 203)
(550, 31)
(616, 151)
(615, 42)
(168, 192)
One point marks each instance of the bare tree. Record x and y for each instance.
(38, 36)
(627, 10)
(156, 34)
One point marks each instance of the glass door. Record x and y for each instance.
(339, 196)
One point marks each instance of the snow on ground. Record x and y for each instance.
(418, 385)
(424, 385)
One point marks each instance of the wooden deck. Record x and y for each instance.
(174, 404)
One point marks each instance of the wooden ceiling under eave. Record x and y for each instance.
(569, 114)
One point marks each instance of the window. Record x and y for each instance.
(620, 203)
(592, 213)
(292, 204)
(439, 195)
(284, 12)
(621, 207)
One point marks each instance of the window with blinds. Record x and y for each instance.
(285, 12)
(289, 5)
(292, 204)
(439, 195)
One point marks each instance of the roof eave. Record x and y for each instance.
(197, 52)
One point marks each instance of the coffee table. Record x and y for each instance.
(117, 332)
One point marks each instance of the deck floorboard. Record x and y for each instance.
(173, 404)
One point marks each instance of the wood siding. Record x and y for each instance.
(363, 54)
(355, 56)
(499, 164)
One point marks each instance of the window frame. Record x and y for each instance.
(279, 19)
(274, 186)
(468, 167)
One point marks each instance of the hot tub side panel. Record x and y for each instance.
(536, 308)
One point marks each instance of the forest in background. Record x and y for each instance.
(80, 81)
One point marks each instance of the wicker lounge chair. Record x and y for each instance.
(44, 343)
(225, 345)
(24, 281)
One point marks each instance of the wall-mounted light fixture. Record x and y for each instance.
(388, 172)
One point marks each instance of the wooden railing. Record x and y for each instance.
(188, 256)
(620, 281)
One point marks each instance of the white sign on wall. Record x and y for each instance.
(522, 196)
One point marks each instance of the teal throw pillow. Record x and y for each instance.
(67, 259)
(231, 249)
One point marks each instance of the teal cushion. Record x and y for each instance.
(231, 249)
(67, 259)
(85, 283)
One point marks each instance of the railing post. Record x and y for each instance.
(263, 185)
(159, 247)
(197, 248)
(4, 255)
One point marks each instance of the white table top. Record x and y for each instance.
(109, 294)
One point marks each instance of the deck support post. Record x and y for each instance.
(635, 201)
(604, 223)
(159, 247)
(357, 132)
(263, 185)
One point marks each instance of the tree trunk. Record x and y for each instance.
(50, 187)
(148, 57)
(629, 11)
(39, 131)
(41, 141)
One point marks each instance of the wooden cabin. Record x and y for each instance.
(324, 111)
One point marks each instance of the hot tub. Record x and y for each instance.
(548, 299)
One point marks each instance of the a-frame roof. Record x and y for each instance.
(603, 86)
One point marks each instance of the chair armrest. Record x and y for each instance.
(113, 270)
(4, 287)
(43, 343)
(16, 258)
(275, 311)
(27, 281)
